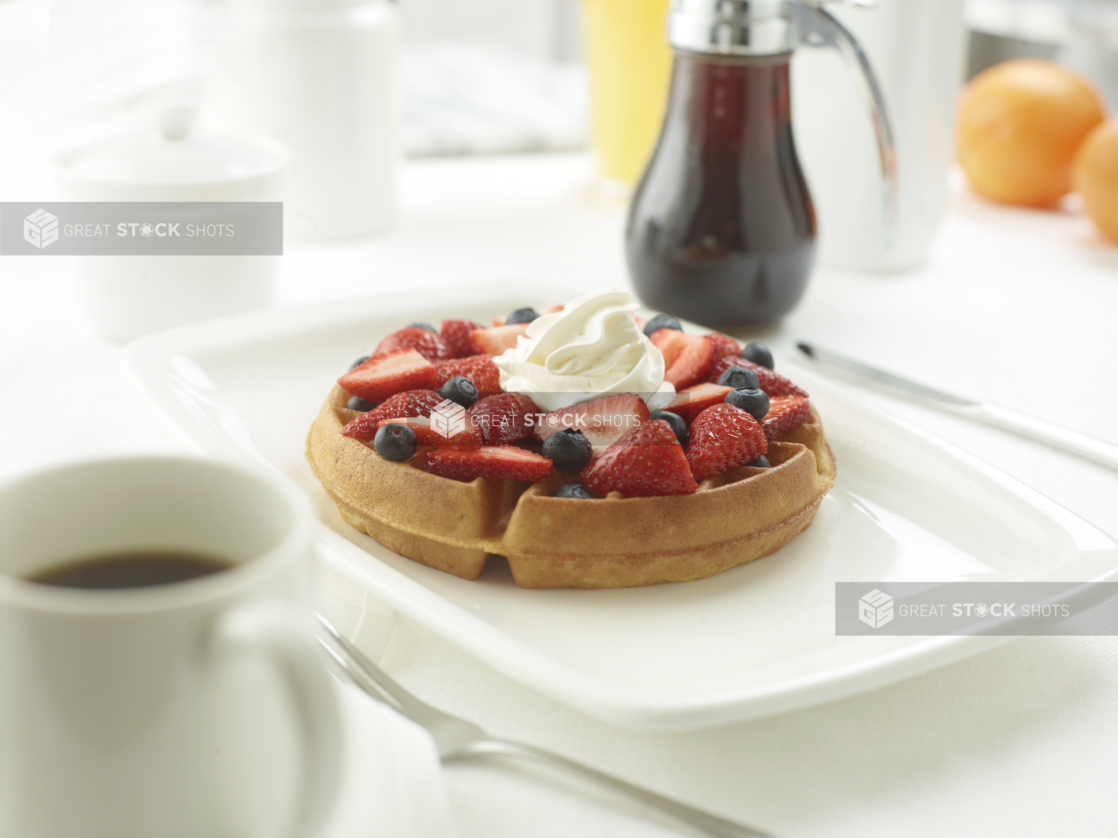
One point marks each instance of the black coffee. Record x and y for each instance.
(130, 570)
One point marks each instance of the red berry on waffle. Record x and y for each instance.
(424, 341)
(689, 403)
(723, 437)
(480, 369)
(602, 421)
(456, 335)
(389, 373)
(687, 358)
(503, 463)
(496, 340)
(427, 434)
(773, 384)
(723, 346)
(503, 418)
(785, 414)
(408, 403)
(646, 461)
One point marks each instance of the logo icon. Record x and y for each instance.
(448, 419)
(40, 228)
(875, 609)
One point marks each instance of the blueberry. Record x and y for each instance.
(759, 354)
(662, 321)
(568, 449)
(459, 390)
(426, 326)
(521, 315)
(752, 401)
(358, 403)
(679, 427)
(574, 490)
(358, 362)
(395, 442)
(760, 462)
(740, 379)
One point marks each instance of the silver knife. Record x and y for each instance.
(1007, 419)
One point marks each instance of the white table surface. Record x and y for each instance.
(1015, 306)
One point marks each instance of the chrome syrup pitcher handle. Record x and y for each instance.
(819, 28)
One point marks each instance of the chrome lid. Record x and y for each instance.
(740, 27)
(733, 27)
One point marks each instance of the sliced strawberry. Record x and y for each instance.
(723, 346)
(480, 369)
(689, 403)
(785, 414)
(602, 421)
(409, 403)
(496, 340)
(389, 373)
(555, 309)
(427, 432)
(503, 418)
(687, 358)
(723, 437)
(645, 462)
(504, 463)
(499, 320)
(774, 385)
(424, 341)
(456, 335)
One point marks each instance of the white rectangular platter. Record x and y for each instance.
(755, 640)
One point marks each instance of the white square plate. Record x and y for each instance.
(751, 641)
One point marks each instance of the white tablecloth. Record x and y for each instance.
(1015, 306)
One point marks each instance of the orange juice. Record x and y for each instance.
(630, 63)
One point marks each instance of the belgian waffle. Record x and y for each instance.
(550, 542)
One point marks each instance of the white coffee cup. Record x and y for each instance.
(112, 723)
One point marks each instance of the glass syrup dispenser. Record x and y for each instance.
(721, 229)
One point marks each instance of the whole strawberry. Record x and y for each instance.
(456, 335)
(647, 461)
(424, 341)
(406, 404)
(773, 384)
(480, 369)
(503, 418)
(723, 437)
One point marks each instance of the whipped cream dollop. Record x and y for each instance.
(589, 349)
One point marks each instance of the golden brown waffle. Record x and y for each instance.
(552, 542)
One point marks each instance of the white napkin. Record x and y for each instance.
(392, 782)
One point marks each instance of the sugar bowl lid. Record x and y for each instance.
(173, 162)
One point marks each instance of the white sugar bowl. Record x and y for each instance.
(125, 296)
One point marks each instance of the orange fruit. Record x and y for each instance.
(1096, 177)
(1020, 124)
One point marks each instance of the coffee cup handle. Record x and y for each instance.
(275, 630)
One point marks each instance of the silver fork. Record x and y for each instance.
(457, 738)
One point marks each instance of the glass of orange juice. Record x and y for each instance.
(630, 63)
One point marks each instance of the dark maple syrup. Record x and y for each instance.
(721, 229)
